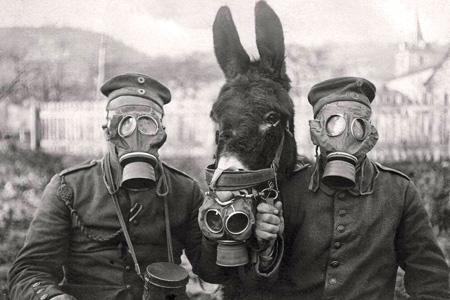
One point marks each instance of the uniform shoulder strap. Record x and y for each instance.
(387, 169)
(82, 166)
(176, 170)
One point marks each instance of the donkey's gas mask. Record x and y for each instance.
(342, 128)
(229, 208)
(228, 211)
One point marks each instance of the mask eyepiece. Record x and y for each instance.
(335, 125)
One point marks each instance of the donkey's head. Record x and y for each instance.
(254, 112)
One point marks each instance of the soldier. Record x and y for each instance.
(106, 226)
(350, 222)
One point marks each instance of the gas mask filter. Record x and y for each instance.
(343, 131)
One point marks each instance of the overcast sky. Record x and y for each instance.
(174, 27)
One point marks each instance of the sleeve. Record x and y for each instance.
(38, 268)
(418, 253)
(270, 268)
(200, 251)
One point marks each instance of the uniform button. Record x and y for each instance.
(342, 212)
(128, 286)
(36, 284)
(135, 222)
(341, 196)
(43, 297)
(341, 228)
(332, 281)
(128, 268)
(337, 245)
(335, 264)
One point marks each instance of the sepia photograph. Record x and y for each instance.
(225, 149)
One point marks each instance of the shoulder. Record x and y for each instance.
(302, 164)
(300, 176)
(394, 172)
(87, 165)
(176, 172)
(180, 181)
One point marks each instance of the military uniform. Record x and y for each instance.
(87, 256)
(348, 244)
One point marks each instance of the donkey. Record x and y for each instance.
(256, 149)
(254, 112)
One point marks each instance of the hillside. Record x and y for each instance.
(61, 64)
(52, 58)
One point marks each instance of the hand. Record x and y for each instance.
(64, 297)
(269, 223)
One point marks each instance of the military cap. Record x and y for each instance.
(135, 88)
(341, 89)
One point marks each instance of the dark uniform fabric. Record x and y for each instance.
(344, 245)
(58, 257)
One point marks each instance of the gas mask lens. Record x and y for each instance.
(214, 220)
(237, 222)
(335, 125)
(127, 126)
(147, 125)
(359, 129)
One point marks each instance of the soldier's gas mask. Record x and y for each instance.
(137, 133)
(343, 131)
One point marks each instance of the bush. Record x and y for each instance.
(23, 177)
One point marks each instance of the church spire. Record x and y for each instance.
(419, 37)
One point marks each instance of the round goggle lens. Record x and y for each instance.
(213, 220)
(237, 223)
(147, 125)
(127, 126)
(358, 129)
(335, 125)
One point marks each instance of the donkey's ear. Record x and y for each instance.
(230, 54)
(269, 39)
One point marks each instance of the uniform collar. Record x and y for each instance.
(366, 176)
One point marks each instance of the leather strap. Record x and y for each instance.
(113, 191)
(236, 180)
(223, 180)
(162, 190)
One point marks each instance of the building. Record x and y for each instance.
(412, 109)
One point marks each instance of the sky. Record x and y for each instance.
(177, 27)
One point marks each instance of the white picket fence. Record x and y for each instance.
(408, 129)
(72, 127)
(76, 128)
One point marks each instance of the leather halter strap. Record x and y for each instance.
(223, 180)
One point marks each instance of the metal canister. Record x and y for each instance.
(165, 281)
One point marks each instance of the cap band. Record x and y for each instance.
(340, 97)
(132, 100)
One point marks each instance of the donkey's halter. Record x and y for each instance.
(224, 180)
